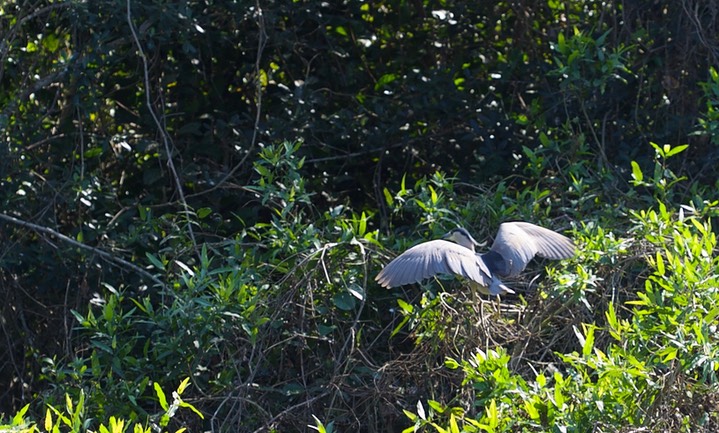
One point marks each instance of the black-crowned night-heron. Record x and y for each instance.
(515, 245)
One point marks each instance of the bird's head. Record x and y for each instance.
(462, 237)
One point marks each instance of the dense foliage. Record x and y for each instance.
(197, 195)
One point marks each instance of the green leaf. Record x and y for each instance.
(18, 418)
(203, 212)
(362, 225)
(384, 80)
(344, 301)
(561, 42)
(657, 148)
(193, 408)
(660, 264)
(325, 330)
(543, 138)
(668, 354)
(388, 197)
(399, 326)
(69, 405)
(671, 151)
(422, 205)
(51, 42)
(48, 420)
(436, 406)
(161, 396)
(451, 363)
(406, 307)
(155, 261)
(589, 343)
(541, 380)
(558, 396)
(613, 323)
(102, 346)
(183, 385)
(637, 174)
(493, 414)
(433, 194)
(79, 317)
(531, 409)
(412, 417)
(453, 427)
(711, 315)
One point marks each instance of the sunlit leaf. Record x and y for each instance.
(436, 406)
(637, 174)
(384, 80)
(160, 396)
(405, 306)
(671, 151)
(48, 420)
(453, 427)
(660, 264)
(388, 197)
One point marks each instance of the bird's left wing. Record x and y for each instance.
(431, 258)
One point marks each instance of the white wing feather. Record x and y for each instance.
(432, 258)
(519, 242)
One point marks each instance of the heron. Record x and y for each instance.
(515, 245)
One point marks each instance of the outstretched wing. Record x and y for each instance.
(519, 242)
(431, 258)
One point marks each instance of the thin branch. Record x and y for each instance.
(160, 128)
(102, 253)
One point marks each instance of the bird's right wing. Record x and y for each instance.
(431, 258)
(549, 244)
(518, 243)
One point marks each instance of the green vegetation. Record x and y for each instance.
(196, 196)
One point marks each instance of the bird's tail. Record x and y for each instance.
(497, 287)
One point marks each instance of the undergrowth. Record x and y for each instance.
(283, 326)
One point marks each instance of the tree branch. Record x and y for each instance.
(102, 253)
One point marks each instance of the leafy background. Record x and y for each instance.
(206, 189)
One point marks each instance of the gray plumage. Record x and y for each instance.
(515, 245)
